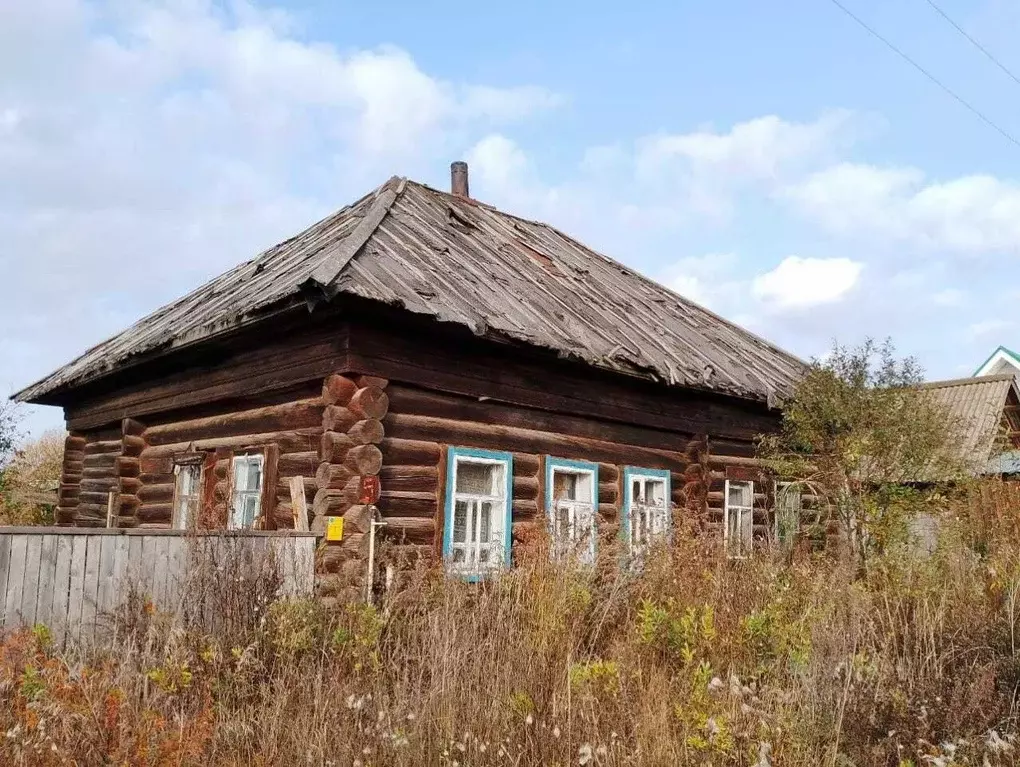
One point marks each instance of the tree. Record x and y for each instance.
(862, 434)
(31, 475)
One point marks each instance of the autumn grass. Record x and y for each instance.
(783, 659)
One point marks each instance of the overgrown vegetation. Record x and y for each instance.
(697, 660)
(878, 449)
(29, 479)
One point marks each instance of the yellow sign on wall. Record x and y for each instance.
(334, 528)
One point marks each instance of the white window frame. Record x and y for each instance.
(742, 552)
(643, 522)
(235, 520)
(500, 526)
(188, 505)
(578, 541)
(782, 489)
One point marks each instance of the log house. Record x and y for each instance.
(494, 376)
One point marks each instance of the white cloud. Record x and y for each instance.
(146, 146)
(757, 149)
(799, 283)
(985, 328)
(949, 297)
(967, 214)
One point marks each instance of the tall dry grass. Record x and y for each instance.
(776, 660)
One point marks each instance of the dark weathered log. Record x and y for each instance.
(609, 492)
(64, 515)
(338, 418)
(157, 493)
(73, 456)
(127, 467)
(302, 464)
(155, 479)
(74, 443)
(150, 513)
(301, 414)
(91, 512)
(410, 452)
(365, 381)
(99, 485)
(369, 402)
(716, 461)
(330, 503)
(367, 432)
(283, 488)
(129, 504)
(132, 446)
(418, 479)
(609, 511)
(103, 472)
(526, 465)
(127, 521)
(67, 492)
(100, 461)
(525, 488)
(283, 516)
(338, 389)
(330, 476)
(469, 434)
(364, 459)
(523, 509)
(333, 446)
(416, 530)
(130, 485)
(102, 447)
(149, 464)
(398, 503)
(132, 428)
(222, 468)
(358, 519)
(74, 479)
(292, 441)
(609, 472)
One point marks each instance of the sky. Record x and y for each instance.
(772, 161)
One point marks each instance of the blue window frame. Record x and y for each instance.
(571, 503)
(647, 507)
(479, 500)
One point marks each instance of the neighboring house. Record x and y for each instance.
(475, 375)
(1002, 360)
(985, 419)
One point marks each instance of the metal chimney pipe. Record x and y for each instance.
(459, 178)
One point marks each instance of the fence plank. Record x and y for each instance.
(30, 589)
(61, 584)
(76, 590)
(106, 596)
(47, 569)
(5, 569)
(12, 610)
(90, 589)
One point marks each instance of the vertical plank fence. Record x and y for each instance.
(74, 579)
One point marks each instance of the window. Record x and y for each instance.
(246, 492)
(738, 522)
(788, 508)
(646, 510)
(187, 492)
(571, 497)
(478, 503)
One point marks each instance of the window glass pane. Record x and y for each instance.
(458, 555)
(564, 486)
(485, 526)
(655, 490)
(475, 478)
(740, 494)
(562, 516)
(460, 522)
(251, 509)
(483, 555)
(635, 490)
(747, 530)
(254, 473)
(733, 530)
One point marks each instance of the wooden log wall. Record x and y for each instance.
(349, 458)
(288, 431)
(422, 424)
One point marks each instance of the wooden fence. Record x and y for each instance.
(73, 579)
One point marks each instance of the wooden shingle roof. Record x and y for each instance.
(457, 260)
(975, 407)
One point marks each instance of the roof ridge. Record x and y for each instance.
(949, 382)
(328, 271)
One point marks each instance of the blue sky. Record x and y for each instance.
(772, 161)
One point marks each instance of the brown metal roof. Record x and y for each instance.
(460, 261)
(976, 407)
